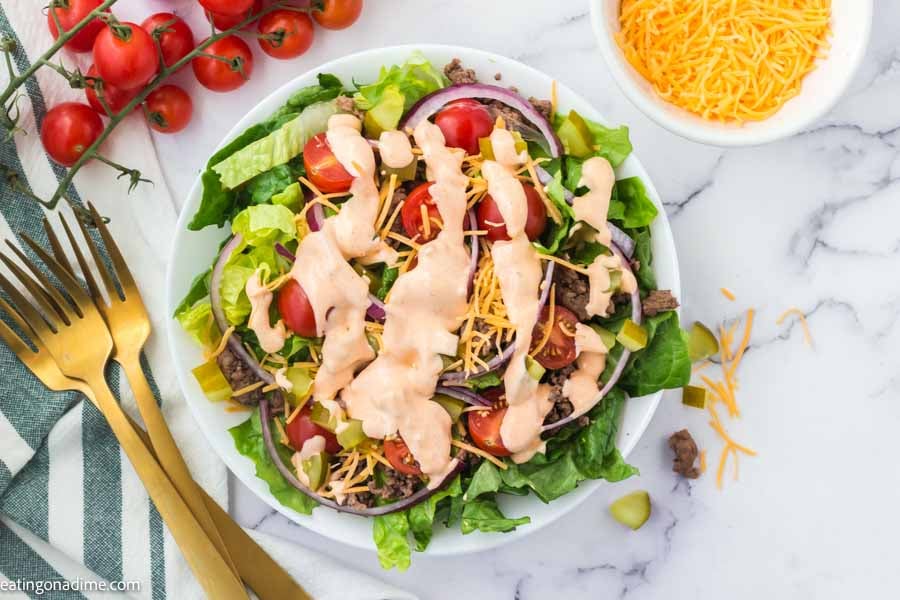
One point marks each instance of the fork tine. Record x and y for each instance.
(51, 310)
(48, 290)
(105, 275)
(58, 253)
(70, 284)
(8, 335)
(115, 254)
(82, 262)
(38, 323)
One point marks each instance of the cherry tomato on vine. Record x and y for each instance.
(125, 56)
(337, 14)
(560, 350)
(224, 75)
(484, 425)
(285, 33)
(115, 98)
(68, 130)
(175, 37)
(491, 220)
(168, 109)
(463, 122)
(69, 15)
(323, 168)
(398, 454)
(223, 22)
(227, 7)
(295, 309)
(302, 428)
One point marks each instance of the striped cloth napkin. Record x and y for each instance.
(71, 506)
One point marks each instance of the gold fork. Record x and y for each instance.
(266, 577)
(129, 325)
(74, 333)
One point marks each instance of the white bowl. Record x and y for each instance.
(193, 252)
(851, 24)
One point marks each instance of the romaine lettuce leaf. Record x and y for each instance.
(484, 515)
(483, 382)
(664, 363)
(421, 516)
(390, 535)
(630, 206)
(291, 197)
(249, 442)
(265, 224)
(237, 271)
(198, 322)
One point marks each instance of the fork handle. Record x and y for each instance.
(208, 566)
(170, 458)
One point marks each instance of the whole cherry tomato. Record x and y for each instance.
(69, 15)
(224, 75)
(463, 122)
(175, 37)
(115, 98)
(169, 109)
(125, 56)
(68, 130)
(285, 33)
(338, 14)
(227, 7)
(223, 22)
(491, 220)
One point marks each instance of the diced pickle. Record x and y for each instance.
(370, 274)
(487, 149)
(453, 406)
(615, 280)
(608, 337)
(534, 368)
(352, 435)
(632, 336)
(386, 114)
(701, 342)
(212, 382)
(316, 469)
(407, 173)
(301, 383)
(321, 417)
(632, 510)
(695, 396)
(576, 136)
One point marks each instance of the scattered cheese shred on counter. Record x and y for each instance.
(800, 317)
(727, 293)
(725, 60)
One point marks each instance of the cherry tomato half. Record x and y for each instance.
(559, 351)
(484, 427)
(490, 219)
(285, 33)
(68, 130)
(463, 122)
(175, 37)
(223, 22)
(400, 457)
(302, 428)
(69, 16)
(295, 309)
(125, 56)
(338, 14)
(411, 215)
(227, 7)
(224, 75)
(323, 167)
(115, 98)
(169, 109)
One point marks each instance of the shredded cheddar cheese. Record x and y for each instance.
(479, 452)
(222, 343)
(802, 318)
(727, 293)
(725, 60)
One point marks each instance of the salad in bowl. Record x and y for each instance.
(433, 293)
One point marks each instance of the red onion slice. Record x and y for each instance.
(315, 217)
(637, 316)
(430, 104)
(284, 252)
(465, 394)
(416, 498)
(235, 344)
(376, 310)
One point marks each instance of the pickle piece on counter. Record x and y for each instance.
(632, 510)
(702, 343)
(632, 336)
(694, 396)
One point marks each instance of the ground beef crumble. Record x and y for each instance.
(239, 376)
(562, 408)
(396, 485)
(457, 73)
(572, 291)
(686, 453)
(347, 105)
(545, 107)
(659, 301)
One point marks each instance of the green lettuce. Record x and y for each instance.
(390, 535)
(198, 322)
(664, 363)
(291, 197)
(630, 205)
(265, 186)
(249, 442)
(237, 271)
(421, 516)
(265, 225)
(484, 515)
(483, 382)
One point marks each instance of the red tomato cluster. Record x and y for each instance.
(127, 57)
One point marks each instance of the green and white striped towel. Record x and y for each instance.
(71, 507)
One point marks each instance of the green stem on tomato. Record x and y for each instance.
(92, 150)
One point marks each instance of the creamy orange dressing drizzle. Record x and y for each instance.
(271, 337)
(518, 270)
(395, 149)
(311, 447)
(600, 283)
(582, 388)
(427, 304)
(592, 208)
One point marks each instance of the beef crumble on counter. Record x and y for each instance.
(685, 448)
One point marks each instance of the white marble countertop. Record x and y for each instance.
(809, 222)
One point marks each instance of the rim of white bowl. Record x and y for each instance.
(693, 128)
